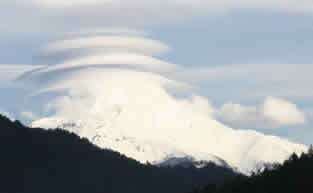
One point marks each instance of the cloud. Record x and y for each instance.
(70, 3)
(9, 72)
(54, 16)
(29, 115)
(274, 112)
(236, 113)
(139, 105)
(111, 76)
(140, 102)
(110, 43)
(109, 31)
(282, 112)
(251, 82)
(137, 61)
(117, 76)
(200, 5)
(106, 51)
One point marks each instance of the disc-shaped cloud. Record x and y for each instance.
(105, 51)
(120, 60)
(110, 43)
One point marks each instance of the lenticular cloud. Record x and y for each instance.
(121, 83)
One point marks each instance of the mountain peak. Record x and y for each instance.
(237, 149)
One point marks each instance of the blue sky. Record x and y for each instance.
(235, 52)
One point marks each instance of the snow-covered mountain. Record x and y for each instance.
(153, 152)
(165, 154)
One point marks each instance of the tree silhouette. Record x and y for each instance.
(294, 175)
(33, 160)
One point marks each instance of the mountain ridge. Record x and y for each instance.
(103, 134)
(143, 151)
(37, 160)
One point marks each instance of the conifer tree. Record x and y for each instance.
(310, 151)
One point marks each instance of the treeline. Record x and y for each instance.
(34, 160)
(295, 175)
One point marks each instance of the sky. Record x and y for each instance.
(247, 64)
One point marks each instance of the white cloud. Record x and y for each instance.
(108, 43)
(109, 31)
(106, 51)
(237, 113)
(283, 112)
(275, 112)
(117, 59)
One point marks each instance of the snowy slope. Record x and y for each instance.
(164, 153)
(154, 152)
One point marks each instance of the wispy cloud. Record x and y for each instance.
(9, 72)
(252, 82)
(200, 5)
(55, 16)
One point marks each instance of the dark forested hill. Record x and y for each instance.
(295, 175)
(34, 160)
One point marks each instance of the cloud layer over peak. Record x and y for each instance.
(139, 105)
(98, 65)
(136, 98)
